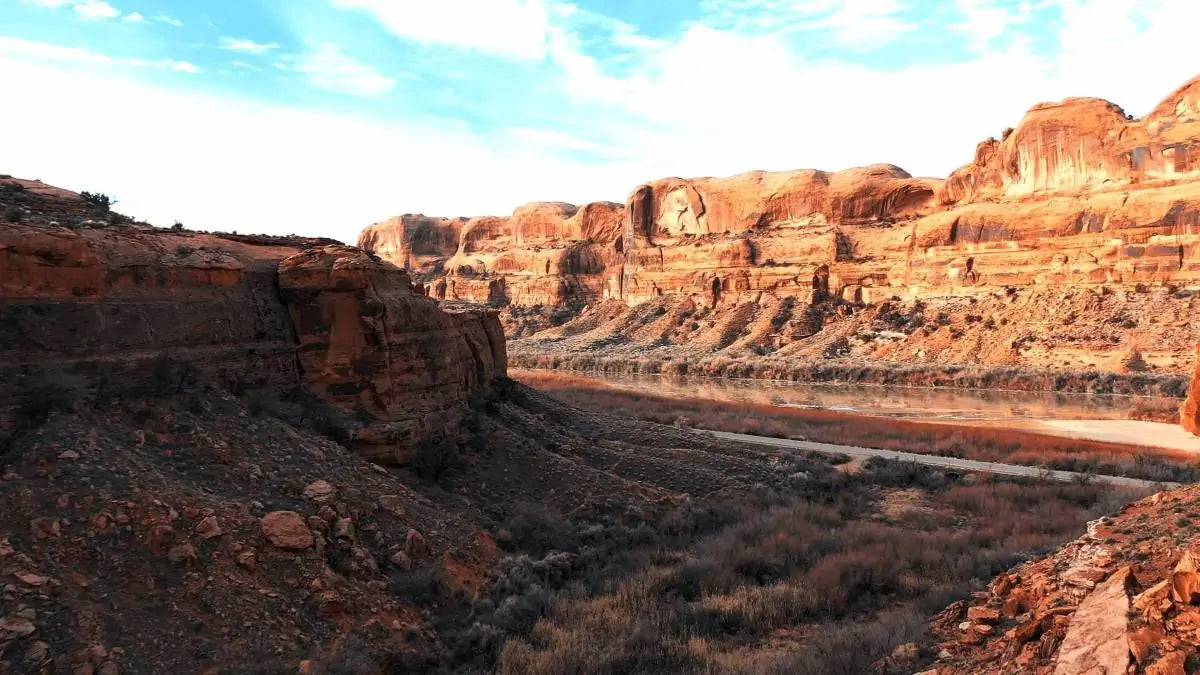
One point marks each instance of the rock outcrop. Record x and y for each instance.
(413, 241)
(1190, 414)
(1121, 598)
(105, 307)
(1078, 193)
(1078, 196)
(1085, 142)
(547, 253)
(372, 346)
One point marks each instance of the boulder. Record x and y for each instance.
(1096, 640)
(287, 530)
(1190, 413)
(1185, 581)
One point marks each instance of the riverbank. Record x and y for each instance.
(961, 438)
(1005, 378)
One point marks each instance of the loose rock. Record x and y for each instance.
(287, 530)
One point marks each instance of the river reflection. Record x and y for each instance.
(909, 402)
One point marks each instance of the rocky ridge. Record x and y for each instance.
(1122, 598)
(120, 305)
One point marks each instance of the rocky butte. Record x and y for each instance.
(1067, 244)
(120, 305)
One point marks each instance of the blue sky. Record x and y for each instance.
(321, 116)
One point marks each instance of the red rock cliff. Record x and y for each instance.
(1085, 142)
(369, 343)
(1190, 414)
(104, 303)
(1076, 194)
(416, 242)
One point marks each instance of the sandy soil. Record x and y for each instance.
(1153, 434)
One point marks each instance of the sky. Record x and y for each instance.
(319, 117)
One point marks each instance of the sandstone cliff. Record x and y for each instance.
(1077, 204)
(120, 305)
(416, 242)
(368, 342)
(1190, 414)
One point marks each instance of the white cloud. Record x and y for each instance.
(513, 29)
(717, 100)
(239, 165)
(134, 17)
(96, 9)
(856, 24)
(329, 69)
(559, 139)
(48, 52)
(728, 97)
(169, 20)
(246, 46)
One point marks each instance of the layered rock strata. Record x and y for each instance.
(104, 308)
(1078, 198)
(1078, 193)
(371, 345)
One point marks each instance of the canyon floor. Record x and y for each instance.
(198, 531)
(1083, 340)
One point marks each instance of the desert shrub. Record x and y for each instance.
(815, 560)
(42, 396)
(49, 393)
(1134, 362)
(839, 347)
(420, 586)
(167, 375)
(891, 473)
(14, 214)
(852, 647)
(98, 201)
(538, 531)
(435, 459)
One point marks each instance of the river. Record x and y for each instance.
(1093, 416)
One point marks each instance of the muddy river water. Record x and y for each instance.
(1098, 417)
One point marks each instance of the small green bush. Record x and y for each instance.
(98, 201)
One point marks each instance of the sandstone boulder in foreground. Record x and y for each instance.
(1190, 414)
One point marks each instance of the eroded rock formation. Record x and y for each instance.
(544, 253)
(370, 344)
(1077, 193)
(1190, 414)
(112, 306)
(413, 241)
(1077, 196)
(110, 300)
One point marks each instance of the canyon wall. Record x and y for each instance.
(369, 344)
(108, 307)
(1078, 193)
(1080, 222)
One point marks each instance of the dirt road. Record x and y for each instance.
(938, 461)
